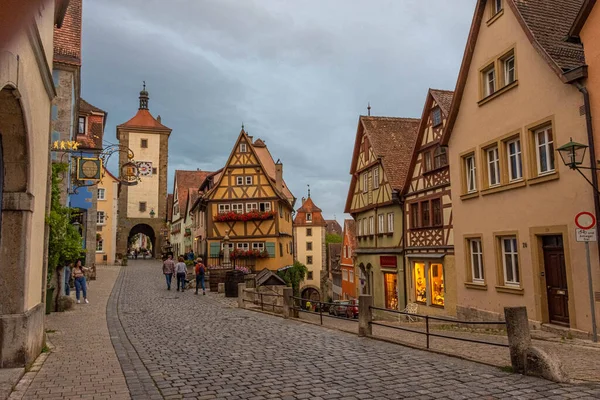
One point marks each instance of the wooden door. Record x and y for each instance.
(556, 280)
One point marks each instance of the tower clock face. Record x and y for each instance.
(144, 168)
(90, 169)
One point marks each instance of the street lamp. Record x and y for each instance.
(152, 213)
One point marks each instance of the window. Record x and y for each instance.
(345, 275)
(223, 208)
(260, 246)
(414, 215)
(376, 177)
(345, 251)
(390, 284)
(309, 275)
(425, 217)
(515, 166)
(476, 259)
(154, 170)
(243, 147)
(427, 158)
(436, 282)
(371, 226)
(309, 246)
(493, 162)
(142, 206)
(509, 70)
(251, 207)
(100, 217)
(308, 231)
(390, 222)
(100, 245)
(364, 227)
(280, 211)
(264, 207)
(365, 182)
(510, 261)
(228, 245)
(237, 208)
(381, 223)
(544, 144)
(249, 180)
(239, 180)
(81, 126)
(471, 174)
(101, 194)
(243, 246)
(144, 143)
(308, 217)
(440, 158)
(351, 276)
(436, 208)
(280, 249)
(489, 80)
(436, 116)
(359, 227)
(309, 260)
(497, 6)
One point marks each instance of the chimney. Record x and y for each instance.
(250, 139)
(159, 119)
(303, 200)
(279, 176)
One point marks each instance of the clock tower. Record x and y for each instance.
(143, 202)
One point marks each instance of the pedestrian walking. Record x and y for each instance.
(181, 271)
(168, 270)
(67, 276)
(80, 283)
(190, 255)
(200, 272)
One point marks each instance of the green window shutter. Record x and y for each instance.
(215, 249)
(270, 246)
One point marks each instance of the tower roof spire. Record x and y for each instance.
(144, 98)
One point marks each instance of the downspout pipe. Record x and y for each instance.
(593, 162)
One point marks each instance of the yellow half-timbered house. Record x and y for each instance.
(249, 210)
(429, 247)
(382, 153)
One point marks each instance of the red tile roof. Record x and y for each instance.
(86, 107)
(263, 153)
(309, 207)
(186, 180)
(333, 226)
(350, 231)
(143, 119)
(443, 98)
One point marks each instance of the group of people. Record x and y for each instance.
(78, 274)
(179, 269)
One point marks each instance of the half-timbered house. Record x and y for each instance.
(429, 247)
(249, 210)
(382, 153)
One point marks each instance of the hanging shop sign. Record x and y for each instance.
(129, 175)
(65, 145)
(89, 169)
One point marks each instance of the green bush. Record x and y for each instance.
(294, 275)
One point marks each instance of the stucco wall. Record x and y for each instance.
(317, 239)
(589, 36)
(147, 189)
(109, 232)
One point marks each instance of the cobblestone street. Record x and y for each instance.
(191, 346)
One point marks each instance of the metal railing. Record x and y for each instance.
(321, 304)
(262, 303)
(428, 333)
(249, 262)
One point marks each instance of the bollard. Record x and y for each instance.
(221, 288)
(519, 337)
(365, 315)
(288, 305)
(241, 294)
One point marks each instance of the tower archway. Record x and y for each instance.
(135, 235)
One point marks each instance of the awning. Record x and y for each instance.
(434, 256)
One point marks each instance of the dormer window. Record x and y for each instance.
(308, 217)
(436, 116)
(81, 126)
(243, 147)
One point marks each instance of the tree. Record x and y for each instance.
(333, 238)
(64, 241)
(293, 276)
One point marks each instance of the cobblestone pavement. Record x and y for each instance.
(82, 363)
(199, 347)
(579, 361)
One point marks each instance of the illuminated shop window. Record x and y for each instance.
(390, 282)
(420, 283)
(437, 284)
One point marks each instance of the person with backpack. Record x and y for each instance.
(200, 272)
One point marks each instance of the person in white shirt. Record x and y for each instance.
(180, 271)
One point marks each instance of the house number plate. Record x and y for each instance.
(561, 292)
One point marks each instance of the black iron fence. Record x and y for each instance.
(300, 305)
(428, 332)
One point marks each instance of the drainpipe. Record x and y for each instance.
(593, 162)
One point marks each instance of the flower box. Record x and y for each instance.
(248, 254)
(249, 216)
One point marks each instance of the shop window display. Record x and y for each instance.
(437, 284)
(391, 295)
(420, 283)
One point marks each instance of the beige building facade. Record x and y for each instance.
(513, 200)
(107, 218)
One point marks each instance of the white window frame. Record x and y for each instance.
(365, 182)
(230, 245)
(513, 253)
(224, 208)
(266, 205)
(493, 163)
(260, 246)
(360, 226)
(381, 223)
(79, 130)
(364, 228)
(237, 208)
(100, 246)
(436, 112)
(516, 173)
(390, 222)
(239, 180)
(547, 148)
(371, 225)
(490, 79)
(508, 70)
(376, 177)
(471, 173)
(100, 218)
(249, 180)
(350, 276)
(308, 217)
(345, 275)
(243, 148)
(103, 196)
(245, 246)
(497, 6)
(476, 255)
(251, 207)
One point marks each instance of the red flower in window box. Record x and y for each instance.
(231, 216)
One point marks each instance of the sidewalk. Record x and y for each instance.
(82, 363)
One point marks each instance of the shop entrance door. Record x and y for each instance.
(556, 280)
(390, 281)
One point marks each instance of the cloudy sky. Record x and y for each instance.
(296, 73)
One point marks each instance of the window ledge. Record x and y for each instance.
(495, 17)
(433, 170)
(478, 286)
(467, 196)
(510, 289)
(502, 188)
(543, 178)
(498, 92)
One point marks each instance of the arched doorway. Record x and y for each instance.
(142, 241)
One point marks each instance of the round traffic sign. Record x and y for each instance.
(585, 220)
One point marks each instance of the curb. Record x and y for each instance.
(27, 378)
